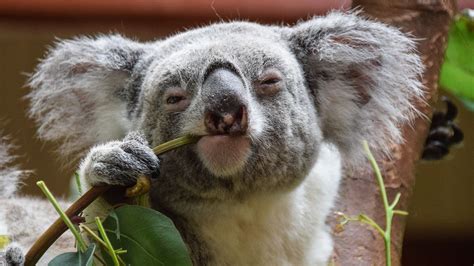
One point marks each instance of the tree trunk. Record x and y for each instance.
(357, 244)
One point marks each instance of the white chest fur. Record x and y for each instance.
(279, 229)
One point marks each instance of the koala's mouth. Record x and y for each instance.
(224, 155)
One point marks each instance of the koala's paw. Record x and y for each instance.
(120, 162)
(14, 255)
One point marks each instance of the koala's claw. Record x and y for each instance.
(121, 162)
(141, 187)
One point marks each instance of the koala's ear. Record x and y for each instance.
(83, 92)
(364, 75)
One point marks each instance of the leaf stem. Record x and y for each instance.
(78, 182)
(102, 243)
(175, 143)
(100, 259)
(93, 235)
(109, 246)
(369, 221)
(82, 245)
(388, 208)
(395, 201)
(378, 175)
(400, 212)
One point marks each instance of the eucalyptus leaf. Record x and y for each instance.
(75, 258)
(149, 237)
(113, 215)
(457, 72)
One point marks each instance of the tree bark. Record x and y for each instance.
(357, 244)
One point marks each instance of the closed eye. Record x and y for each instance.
(174, 99)
(270, 81)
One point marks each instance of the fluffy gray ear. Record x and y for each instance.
(83, 91)
(364, 75)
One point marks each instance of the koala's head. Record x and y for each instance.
(263, 97)
(241, 87)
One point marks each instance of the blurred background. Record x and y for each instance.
(440, 227)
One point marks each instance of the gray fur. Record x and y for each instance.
(121, 162)
(10, 175)
(23, 219)
(87, 77)
(345, 79)
(10, 178)
(359, 58)
(14, 255)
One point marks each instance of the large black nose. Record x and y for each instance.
(225, 107)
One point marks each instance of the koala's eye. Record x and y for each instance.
(176, 99)
(269, 83)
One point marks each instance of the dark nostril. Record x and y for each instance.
(234, 123)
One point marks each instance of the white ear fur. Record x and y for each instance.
(365, 77)
(77, 95)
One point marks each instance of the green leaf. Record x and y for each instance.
(114, 217)
(457, 72)
(75, 258)
(149, 237)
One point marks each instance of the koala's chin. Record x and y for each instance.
(224, 155)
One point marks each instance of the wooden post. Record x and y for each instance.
(428, 21)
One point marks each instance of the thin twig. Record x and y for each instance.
(102, 243)
(64, 217)
(93, 235)
(389, 208)
(109, 246)
(59, 227)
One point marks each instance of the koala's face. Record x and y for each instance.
(246, 94)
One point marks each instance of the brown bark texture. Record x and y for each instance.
(357, 244)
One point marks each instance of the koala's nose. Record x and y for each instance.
(233, 123)
(225, 108)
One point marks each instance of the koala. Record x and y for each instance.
(281, 111)
(23, 219)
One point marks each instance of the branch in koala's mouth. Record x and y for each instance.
(175, 143)
(59, 227)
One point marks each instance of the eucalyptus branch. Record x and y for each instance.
(59, 227)
(389, 209)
